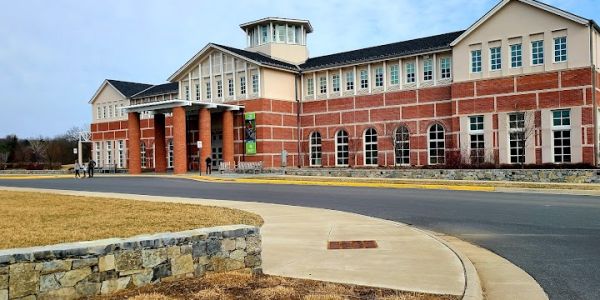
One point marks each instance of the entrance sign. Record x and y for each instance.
(250, 132)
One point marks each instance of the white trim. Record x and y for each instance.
(533, 3)
(102, 86)
(336, 148)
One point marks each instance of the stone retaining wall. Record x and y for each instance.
(33, 172)
(74, 270)
(527, 175)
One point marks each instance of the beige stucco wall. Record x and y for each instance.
(521, 22)
(294, 54)
(108, 96)
(596, 37)
(278, 85)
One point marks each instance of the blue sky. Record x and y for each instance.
(55, 54)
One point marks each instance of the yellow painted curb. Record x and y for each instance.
(21, 177)
(346, 183)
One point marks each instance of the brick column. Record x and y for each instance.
(160, 155)
(134, 135)
(228, 137)
(179, 141)
(205, 137)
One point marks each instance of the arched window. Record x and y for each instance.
(170, 154)
(370, 144)
(402, 146)
(315, 149)
(341, 148)
(437, 145)
(143, 154)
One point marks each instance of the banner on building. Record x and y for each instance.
(250, 132)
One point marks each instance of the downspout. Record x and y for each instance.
(297, 116)
(594, 104)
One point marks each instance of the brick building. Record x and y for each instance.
(521, 85)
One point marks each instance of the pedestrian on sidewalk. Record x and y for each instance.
(84, 169)
(208, 165)
(91, 166)
(77, 169)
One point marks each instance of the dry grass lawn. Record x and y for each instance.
(243, 285)
(35, 219)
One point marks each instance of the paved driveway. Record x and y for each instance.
(556, 238)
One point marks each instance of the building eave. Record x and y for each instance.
(106, 82)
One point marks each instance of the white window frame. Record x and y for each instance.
(476, 61)
(322, 85)
(230, 90)
(109, 153)
(394, 75)
(335, 82)
(243, 85)
(316, 149)
(370, 149)
(516, 56)
(495, 58)
(564, 126)
(410, 73)
(121, 151)
(170, 153)
(350, 81)
(310, 87)
(516, 128)
(187, 92)
(98, 152)
(436, 141)
(379, 77)
(537, 53)
(446, 68)
(255, 83)
(402, 145)
(477, 121)
(428, 69)
(560, 49)
(364, 79)
(219, 88)
(208, 90)
(345, 153)
(143, 154)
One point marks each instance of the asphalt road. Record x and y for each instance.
(555, 238)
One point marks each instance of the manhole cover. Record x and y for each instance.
(341, 245)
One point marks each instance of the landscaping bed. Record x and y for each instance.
(244, 285)
(34, 219)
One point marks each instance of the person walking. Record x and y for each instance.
(76, 169)
(84, 169)
(208, 165)
(91, 166)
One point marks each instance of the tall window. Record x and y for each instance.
(496, 58)
(170, 151)
(109, 153)
(437, 145)
(516, 56)
(104, 115)
(516, 127)
(560, 49)
(561, 133)
(98, 112)
(291, 34)
(446, 67)
(242, 85)
(477, 145)
(350, 81)
(230, 86)
(335, 81)
(537, 53)
(364, 79)
(255, 83)
(219, 88)
(394, 75)
(98, 152)
(280, 29)
(143, 154)
(208, 91)
(264, 34)
(341, 148)
(121, 153)
(402, 146)
(370, 147)
(110, 111)
(310, 87)
(410, 72)
(187, 92)
(427, 70)
(197, 86)
(379, 77)
(315, 149)
(323, 85)
(475, 61)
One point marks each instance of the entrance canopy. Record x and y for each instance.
(168, 105)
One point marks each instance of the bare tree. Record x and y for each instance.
(39, 149)
(73, 133)
(521, 129)
(3, 159)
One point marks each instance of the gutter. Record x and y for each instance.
(594, 27)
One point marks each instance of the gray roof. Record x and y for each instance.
(161, 89)
(127, 88)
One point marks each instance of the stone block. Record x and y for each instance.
(55, 266)
(199, 249)
(142, 278)
(114, 285)
(238, 255)
(161, 271)
(220, 264)
(49, 282)
(23, 280)
(106, 263)
(199, 270)
(153, 257)
(4, 270)
(252, 261)
(240, 243)
(3, 294)
(128, 260)
(253, 245)
(213, 246)
(173, 251)
(87, 289)
(3, 281)
(62, 293)
(71, 278)
(186, 249)
(85, 262)
(228, 245)
(182, 264)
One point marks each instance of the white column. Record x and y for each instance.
(417, 72)
(247, 81)
(434, 69)
(384, 77)
(370, 84)
(314, 85)
(234, 82)
(340, 82)
(355, 81)
(200, 80)
(222, 78)
(302, 87)
(180, 89)
(272, 38)
(190, 85)
(327, 87)
(210, 78)
(400, 74)
(259, 81)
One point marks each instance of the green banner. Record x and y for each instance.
(250, 132)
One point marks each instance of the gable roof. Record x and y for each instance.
(124, 88)
(161, 89)
(410, 47)
(534, 3)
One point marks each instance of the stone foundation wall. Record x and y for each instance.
(74, 270)
(532, 175)
(33, 172)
